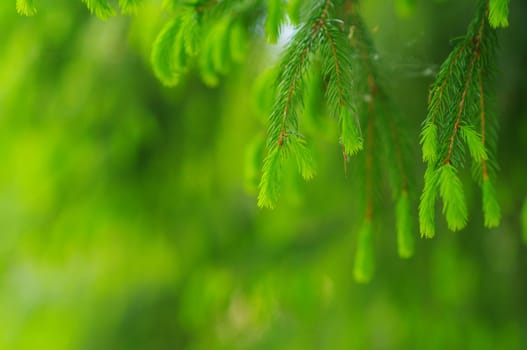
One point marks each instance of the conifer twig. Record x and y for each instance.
(444, 136)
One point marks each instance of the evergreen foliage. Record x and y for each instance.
(327, 68)
(459, 116)
(318, 38)
(123, 198)
(345, 52)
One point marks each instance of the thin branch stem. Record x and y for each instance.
(319, 23)
(476, 56)
(337, 66)
(374, 91)
(483, 123)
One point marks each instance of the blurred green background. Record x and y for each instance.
(127, 220)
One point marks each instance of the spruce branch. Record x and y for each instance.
(318, 38)
(383, 129)
(457, 109)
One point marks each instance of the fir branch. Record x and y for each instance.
(459, 90)
(378, 114)
(339, 82)
(462, 103)
(376, 96)
(436, 102)
(318, 36)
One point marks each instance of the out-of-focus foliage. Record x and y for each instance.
(125, 224)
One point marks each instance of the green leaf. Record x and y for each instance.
(451, 191)
(270, 182)
(26, 7)
(427, 203)
(491, 208)
(130, 6)
(350, 135)
(275, 18)
(429, 142)
(101, 8)
(303, 157)
(405, 228)
(474, 143)
(524, 221)
(499, 13)
(364, 258)
(163, 53)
